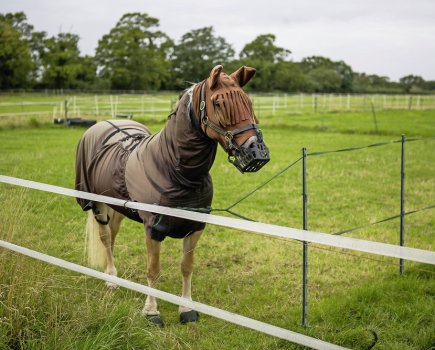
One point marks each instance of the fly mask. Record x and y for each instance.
(226, 115)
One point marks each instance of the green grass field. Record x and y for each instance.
(350, 293)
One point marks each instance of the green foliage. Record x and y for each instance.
(326, 75)
(411, 81)
(271, 62)
(289, 77)
(362, 82)
(263, 48)
(134, 55)
(64, 68)
(28, 68)
(15, 59)
(324, 80)
(34, 123)
(197, 53)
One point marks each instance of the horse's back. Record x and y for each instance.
(101, 157)
(108, 132)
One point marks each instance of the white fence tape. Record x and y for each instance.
(203, 308)
(395, 251)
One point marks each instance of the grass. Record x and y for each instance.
(350, 294)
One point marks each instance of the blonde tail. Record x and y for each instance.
(95, 248)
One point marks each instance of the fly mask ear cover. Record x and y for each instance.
(225, 93)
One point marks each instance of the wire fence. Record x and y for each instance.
(302, 159)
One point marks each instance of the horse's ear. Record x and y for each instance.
(243, 75)
(214, 76)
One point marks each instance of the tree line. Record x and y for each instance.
(137, 55)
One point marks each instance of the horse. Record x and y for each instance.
(122, 159)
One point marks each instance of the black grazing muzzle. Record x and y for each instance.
(247, 159)
(251, 158)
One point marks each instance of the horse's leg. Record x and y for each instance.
(114, 224)
(189, 244)
(105, 214)
(153, 274)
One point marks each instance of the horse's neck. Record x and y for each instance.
(188, 153)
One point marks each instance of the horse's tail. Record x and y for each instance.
(95, 249)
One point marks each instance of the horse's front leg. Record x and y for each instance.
(153, 274)
(189, 244)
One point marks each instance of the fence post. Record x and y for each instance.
(96, 105)
(305, 244)
(66, 112)
(402, 202)
(142, 106)
(111, 106)
(374, 116)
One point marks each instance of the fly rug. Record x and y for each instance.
(122, 159)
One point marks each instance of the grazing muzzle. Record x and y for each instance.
(252, 155)
(247, 158)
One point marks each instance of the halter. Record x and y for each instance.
(249, 159)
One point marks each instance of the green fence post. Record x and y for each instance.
(305, 244)
(402, 202)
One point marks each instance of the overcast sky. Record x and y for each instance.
(385, 37)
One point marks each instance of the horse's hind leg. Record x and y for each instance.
(153, 274)
(103, 216)
(189, 244)
(114, 224)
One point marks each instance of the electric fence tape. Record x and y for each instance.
(390, 250)
(203, 308)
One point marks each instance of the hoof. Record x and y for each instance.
(189, 316)
(111, 286)
(155, 320)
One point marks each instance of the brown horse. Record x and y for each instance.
(171, 168)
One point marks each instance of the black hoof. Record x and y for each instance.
(156, 320)
(189, 316)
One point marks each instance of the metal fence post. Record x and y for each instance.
(305, 244)
(402, 202)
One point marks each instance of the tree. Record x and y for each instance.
(324, 80)
(134, 55)
(63, 66)
(18, 21)
(411, 81)
(362, 82)
(17, 68)
(86, 76)
(319, 68)
(263, 48)
(15, 59)
(197, 53)
(34, 40)
(269, 60)
(288, 76)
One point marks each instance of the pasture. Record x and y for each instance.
(350, 294)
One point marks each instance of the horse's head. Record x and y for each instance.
(226, 115)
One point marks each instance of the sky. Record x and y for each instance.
(392, 38)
